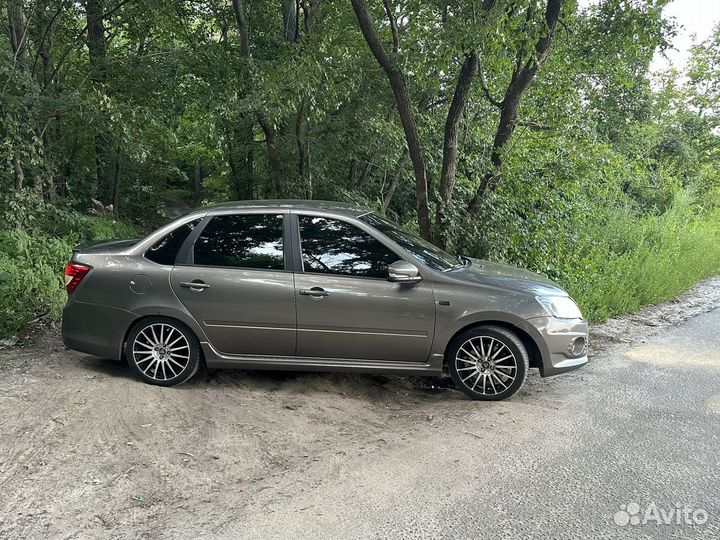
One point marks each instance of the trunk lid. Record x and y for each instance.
(104, 246)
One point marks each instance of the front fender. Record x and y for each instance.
(447, 331)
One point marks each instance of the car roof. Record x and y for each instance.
(292, 204)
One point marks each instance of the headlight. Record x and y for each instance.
(562, 307)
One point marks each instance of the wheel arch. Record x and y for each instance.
(535, 353)
(141, 317)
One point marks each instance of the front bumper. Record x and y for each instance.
(564, 344)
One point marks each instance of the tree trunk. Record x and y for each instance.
(198, 179)
(243, 27)
(45, 47)
(290, 20)
(97, 49)
(43, 38)
(240, 159)
(398, 83)
(248, 158)
(116, 188)
(452, 126)
(303, 149)
(19, 47)
(365, 174)
(387, 199)
(274, 160)
(352, 174)
(18, 172)
(49, 174)
(18, 32)
(97, 45)
(450, 143)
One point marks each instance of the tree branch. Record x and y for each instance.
(371, 35)
(393, 26)
(523, 75)
(483, 84)
(397, 177)
(452, 123)
(535, 126)
(46, 30)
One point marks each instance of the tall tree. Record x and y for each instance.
(19, 48)
(107, 166)
(241, 136)
(399, 84)
(406, 109)
(527, 65)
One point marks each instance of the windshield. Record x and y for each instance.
(428, 254)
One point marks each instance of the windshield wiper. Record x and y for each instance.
(462, 263)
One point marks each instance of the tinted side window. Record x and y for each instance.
(165, 250)
(330, 246)
(242, 241)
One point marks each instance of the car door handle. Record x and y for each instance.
(317, 292)
(194, 285)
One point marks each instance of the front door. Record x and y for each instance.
(346, 307)
(236, 285)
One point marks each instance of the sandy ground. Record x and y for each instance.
(86, 451)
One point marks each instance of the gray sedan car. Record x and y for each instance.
(308, 285)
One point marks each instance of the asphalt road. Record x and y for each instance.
(86, 451)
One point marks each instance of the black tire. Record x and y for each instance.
(165, 365)
(496, 379)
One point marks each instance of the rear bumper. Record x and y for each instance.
(95, 329)
(562, 343)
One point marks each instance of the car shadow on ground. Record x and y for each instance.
(354, 384)
(105, 366)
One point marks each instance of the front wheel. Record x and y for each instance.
(162, 351)
(488, 362)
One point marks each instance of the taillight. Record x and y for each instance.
(74, 274)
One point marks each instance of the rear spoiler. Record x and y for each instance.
(104, 246)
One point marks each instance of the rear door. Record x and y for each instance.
(235, 279)
(346, 307)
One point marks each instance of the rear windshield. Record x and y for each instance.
(165, 250)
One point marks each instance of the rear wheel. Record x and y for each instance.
(162, 351)
(488, 362)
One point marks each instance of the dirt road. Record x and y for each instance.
(88, 452)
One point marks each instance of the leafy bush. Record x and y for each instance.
(33, 254)
(31, 278)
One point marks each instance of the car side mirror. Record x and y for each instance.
(403, 272)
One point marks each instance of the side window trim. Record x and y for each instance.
(147, 250)
(297, 244)
(186, 255)
(291, 239)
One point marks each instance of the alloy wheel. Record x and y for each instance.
(161, 352)
(486, 365)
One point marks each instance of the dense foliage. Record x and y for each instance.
(525, 131)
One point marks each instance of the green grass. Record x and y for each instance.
(665, 256)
